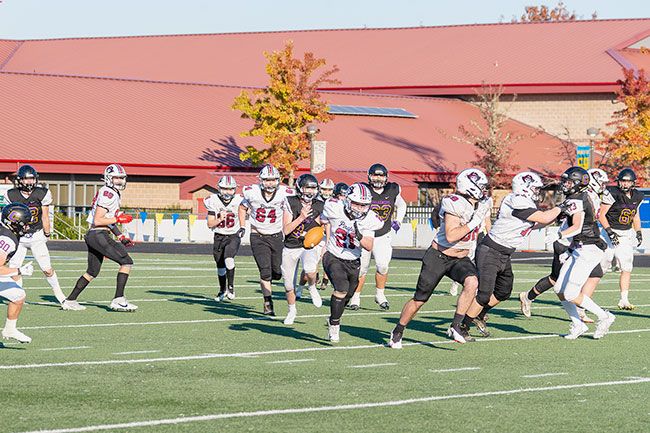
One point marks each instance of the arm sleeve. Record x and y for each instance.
(523, 214)
(400, 207)
(47, 200)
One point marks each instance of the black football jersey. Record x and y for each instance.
(384, 205)
(590, 233)
(6, 239)
(297, 236)
(35, 204)
(624, 209)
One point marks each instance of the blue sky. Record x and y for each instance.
(23, 19)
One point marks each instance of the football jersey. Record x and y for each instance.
(587, 203)
(214, 205)
(621, 215)
(8, 244)
(343, 242)
(109, 199)
(511, 226)
(35, 201)
(266, 215)
(459, 206)
(384, 205)
(297, 236)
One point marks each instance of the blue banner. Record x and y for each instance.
(583, 157)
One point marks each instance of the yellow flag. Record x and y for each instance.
(414, 224)
(159, 218)
(192, 219)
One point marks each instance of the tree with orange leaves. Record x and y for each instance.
(282, 111)
(629, 144)
(543, 13)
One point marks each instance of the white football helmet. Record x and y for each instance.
(326, 188)
(113, 171)
(226, 183)
(472, 182)
(267, 173)
(357, 201)
(528, 184)
(597, 180)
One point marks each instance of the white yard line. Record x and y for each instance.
(135, 352)
(291, 361)
(451, 370)
(534, 376)
(333, 408)
(277, 351)
(65, 348)
(386, 364)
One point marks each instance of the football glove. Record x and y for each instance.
(122, 217)
(639, 238)
(357, 233)
(395, 225)
(613, 236)
(27, 269)
(241, 232)
(126, 241)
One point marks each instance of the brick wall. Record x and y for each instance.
(152, 195)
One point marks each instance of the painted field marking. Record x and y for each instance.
(291, 361)
(534, 376)
(386, 364)
(451, 370)
(65, 348)
(135, 352)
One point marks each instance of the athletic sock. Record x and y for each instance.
(53, 281)
(589, 305)
(572, 311)
(540, 287)
(78, 288)
(230, 277)
(10, 325)
(624, 296)
(122, 277)
(356, 298)
(337, 305)
(222, 283)
(483, 312)
(458, 318)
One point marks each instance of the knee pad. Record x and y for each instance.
(502, 296)
(126, 261)
(266, 274)
(382, 268)
(221, 272)
(483, 298)
(93, 271)
(276, 275)
(230, 263)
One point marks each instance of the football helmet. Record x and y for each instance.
(357, 201)
(472, 182)
(597, 180)
(307, 187)
(269, 173)
(528, 184)
(377, 176)
(115, 171)
(226, 188)
(340, 189)
(26, 178)
(326, 188)
(16, 217)
(574, 179)
(627, 174)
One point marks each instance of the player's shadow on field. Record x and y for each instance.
(279, 330)
(210, 305)
(52, 299)
(2, 346)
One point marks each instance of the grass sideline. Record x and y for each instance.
(184, 363)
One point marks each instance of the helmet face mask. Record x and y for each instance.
(472, 182)
(528, 184)
(307, 187)
(377, 176)
(626, 179)
(115, 177)
(226, 188)
(597, 180)
(574, 180)
(340, 190)
(357, 201)
(269, 179)
(26, 178)
(16, 217)
(326, 188)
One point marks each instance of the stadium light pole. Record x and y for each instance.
(592, 133)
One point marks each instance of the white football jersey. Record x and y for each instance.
(459, 206)
(511, 227)
(342, 242)
(214, 205)
(7, 247)
(109, 199)
(266, 215)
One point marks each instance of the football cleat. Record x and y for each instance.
(220, 296)
(230, 293)
(298, 292)
(16, 335)
(525, 304)
(268, 309)
(121, 304)
(603, 326)
(355, 302)
(323, 284)
(291, 316)
(625, 305)
(333, 333)
(457, 334)
(315, 297)
(453, 290)
(583, 316)
(482, 327)
(395, 341)
(69, 305)
(576, 330)
(380, 299)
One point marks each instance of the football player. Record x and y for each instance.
(518, 216)
(14, 223)
(461, 216)
(386, 201)
(585, 253)
(340, 190)
(597, 190)
(223, 210)
(326, 189)
(622, 224)
(38, 199)
(104, 216)
(264, 203)
(352, 226)
(303, 212)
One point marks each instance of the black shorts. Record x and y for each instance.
(558, 250)
(436, 265)
(267, 252)
(225, 246)
(101, 245)
(495, 275)
(344, 274)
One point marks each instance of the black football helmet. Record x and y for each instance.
(377, 170)
(627, 174)
(307, 180)
(26, 172)
(574, 179)
(16, 217)
(340, 190)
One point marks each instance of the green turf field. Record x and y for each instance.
(184, 363)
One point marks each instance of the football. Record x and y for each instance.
(313, 237)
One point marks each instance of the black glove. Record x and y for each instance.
(639, 238)
(241, 232)
(612, 236)
(357, 232)
(563, 208)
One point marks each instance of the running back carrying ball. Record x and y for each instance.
(313, 237)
